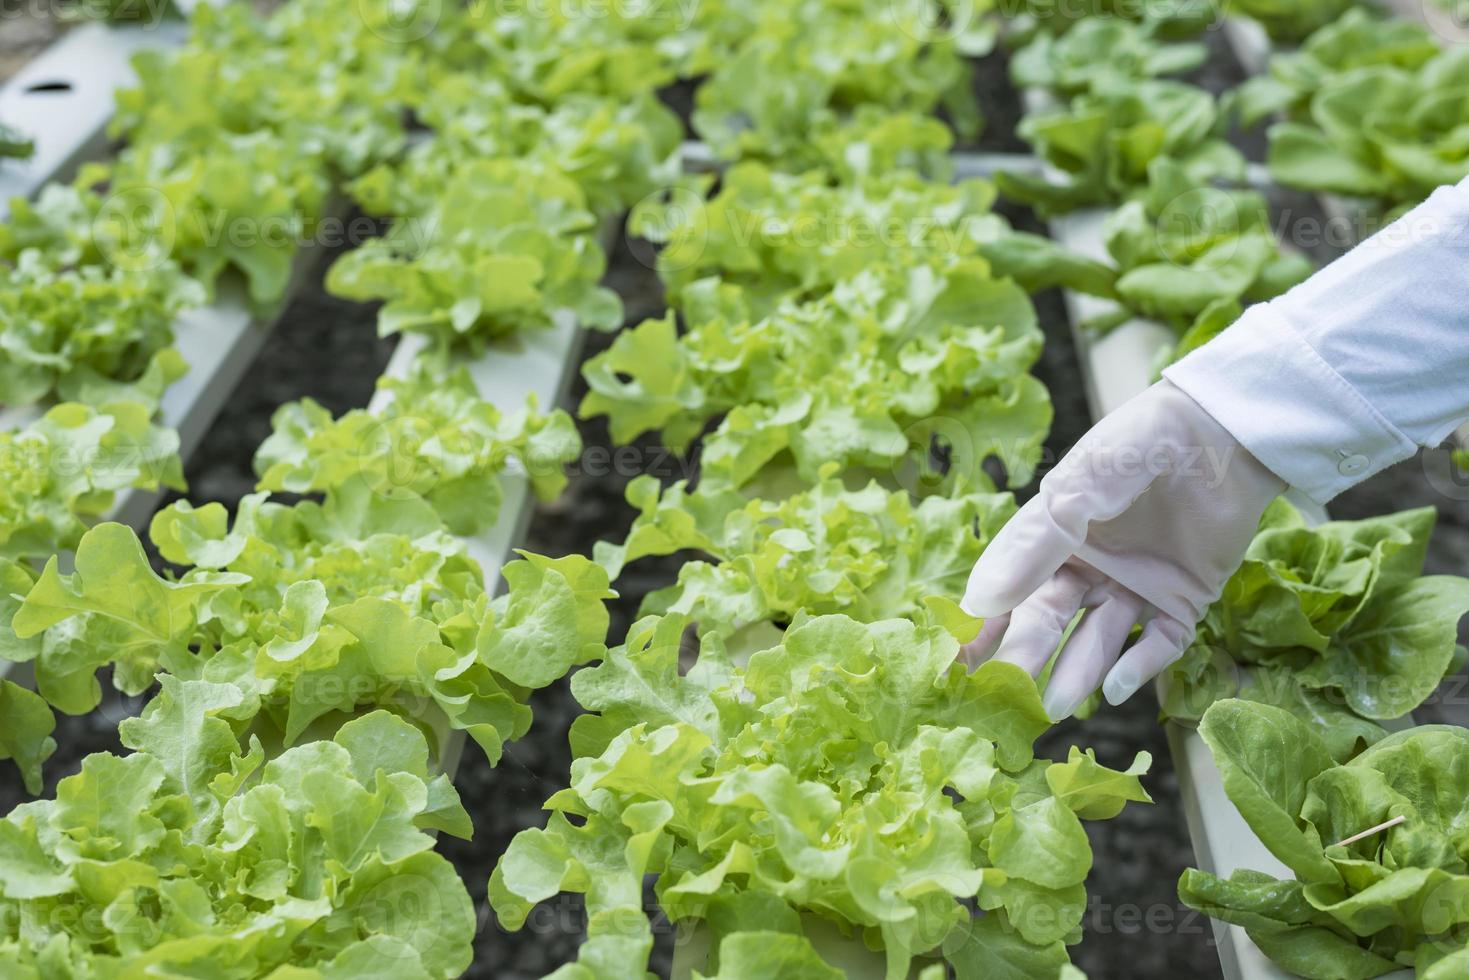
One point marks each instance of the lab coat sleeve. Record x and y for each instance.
(1354, 369)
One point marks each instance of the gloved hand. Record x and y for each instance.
(1143, 521)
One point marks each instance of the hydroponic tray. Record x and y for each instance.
(63, 100)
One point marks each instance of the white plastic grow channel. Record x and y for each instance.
(539, 362)
(64, 99)
(1251, 45)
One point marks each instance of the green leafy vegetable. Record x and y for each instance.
(1191, 257)
(1397, 897)
(853, 772)
(1104, 141)
(195, 854)
(315, 611)
(509, 243)
(1097, 51)
(1172, 19)
(61, 326)
(796, 236)
(810, 62)
(870, 375)
(435, 438)
(1336, 623)
(63, 472)
(1385, 133)
(870, 554)
(1358, 39)
(1289, 21)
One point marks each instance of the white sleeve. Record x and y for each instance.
(1354, 369)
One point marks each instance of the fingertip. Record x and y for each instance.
(1120, 686)
(1162, 643)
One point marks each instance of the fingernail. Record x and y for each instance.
(976, 606)
(1061, 705)
(1118, 688)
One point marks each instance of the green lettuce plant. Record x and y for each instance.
(331, 87)
(869, 554)
(869, 375)
(1097, 52)
(618, 152)
(197, 854)
(1102, 143)
(854, 774)
(64, 471)
(1387, 134)
(63, 325)
(1169, 19)
(1336, 623)
(316, 612)
(1398, 897)
(508, 244)
(1291, 21)
(617, 53)
(435, 438)
(1358, 39)
(811, 63)
(779, 235)
(1192, 257)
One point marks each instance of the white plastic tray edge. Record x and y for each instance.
(64, 98)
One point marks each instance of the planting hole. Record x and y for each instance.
(48, 88)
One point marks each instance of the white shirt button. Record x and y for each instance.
(1352, 465)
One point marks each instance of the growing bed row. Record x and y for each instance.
(789, 737)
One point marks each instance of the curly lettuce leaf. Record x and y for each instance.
(854, 773)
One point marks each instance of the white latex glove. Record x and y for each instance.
(1143, 521)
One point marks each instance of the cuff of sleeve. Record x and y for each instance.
(1274, 393)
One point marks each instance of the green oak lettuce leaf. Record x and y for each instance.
(1291, 21)
(245, 202)
(344, 101)
(61, 325)
(561, 53)
(805, 64)
(1184, 252)
(1397, 897)
(617, 152)
(63, 472)
(1335, 622)
(852, 772)
(315, 612)
(869, 553)
(782, 235)
(1384, 133)
(509, 243)
(25, 733)
(1357, 39)
(1168, 19)
(1096, 50)
(434, 437)
(891, 363)
(1102, 143)
(195, 853)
